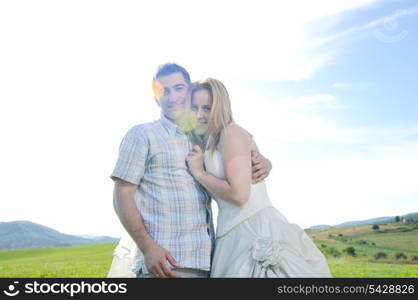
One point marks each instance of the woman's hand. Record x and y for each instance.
(261, 167)
(195, 160)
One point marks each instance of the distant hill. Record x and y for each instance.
(104, 239)
(25, 234)
(317, 227)
(414, 216)
(380, 220)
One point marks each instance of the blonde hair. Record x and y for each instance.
(221, 112)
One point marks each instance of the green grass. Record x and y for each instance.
(390, 239)
(95, 260)
(75, 262)
(405, 241)
(350, 269)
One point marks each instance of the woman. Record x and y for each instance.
(253, 239)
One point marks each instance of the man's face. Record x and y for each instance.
(175, 97)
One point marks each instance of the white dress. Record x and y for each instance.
(124, 258)
(256, 240)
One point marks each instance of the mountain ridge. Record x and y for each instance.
(373, 221)
(26, 234)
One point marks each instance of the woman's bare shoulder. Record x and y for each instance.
(234, 128)
(234, 132)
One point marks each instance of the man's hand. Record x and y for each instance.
(261, 167)
(156, 258)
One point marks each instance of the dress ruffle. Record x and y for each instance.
(267, 246)
(266, 251)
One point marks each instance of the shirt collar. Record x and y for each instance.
(171, 127)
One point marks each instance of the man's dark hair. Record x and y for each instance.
(171, 68)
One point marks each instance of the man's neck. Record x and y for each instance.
(170, 119)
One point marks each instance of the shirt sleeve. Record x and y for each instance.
(133, 152)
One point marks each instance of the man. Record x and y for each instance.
(162, 207)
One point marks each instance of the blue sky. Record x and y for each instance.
(374, 81)
(381, 77)
(328, 88)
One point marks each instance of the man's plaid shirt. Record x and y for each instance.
(174, 207)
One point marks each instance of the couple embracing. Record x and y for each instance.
(165, 178)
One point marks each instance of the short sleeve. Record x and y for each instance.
(133, 152)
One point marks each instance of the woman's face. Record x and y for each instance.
(202, 106)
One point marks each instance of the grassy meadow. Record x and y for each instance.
(390, 251)
(69, 262)
(361, 251)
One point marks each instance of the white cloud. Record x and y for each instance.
(99, 40)
(317, 101)
(297, 119)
